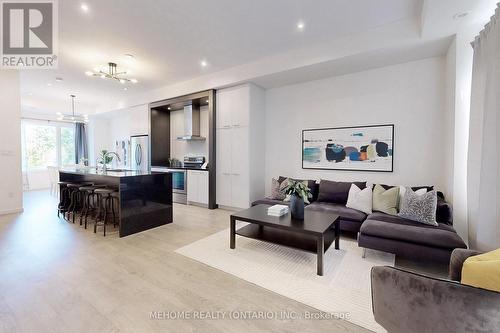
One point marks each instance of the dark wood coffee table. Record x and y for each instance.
(314, 234)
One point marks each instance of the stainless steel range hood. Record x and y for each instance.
(191, 124)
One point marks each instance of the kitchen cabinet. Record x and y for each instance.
(240, 146)
(233, 107)
(197, 186)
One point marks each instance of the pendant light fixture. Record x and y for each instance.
(73, 117)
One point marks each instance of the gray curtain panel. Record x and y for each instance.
(81, 149)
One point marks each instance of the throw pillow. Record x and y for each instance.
(419, 208)
(360, 199)
(483, 271)
(385, 201)
(402, 191)
(277, 189)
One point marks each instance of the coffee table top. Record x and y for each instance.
(315, 222)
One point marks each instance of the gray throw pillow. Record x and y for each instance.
(419, 208)
(277, 188)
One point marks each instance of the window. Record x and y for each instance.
(47, 144)
(67, 145)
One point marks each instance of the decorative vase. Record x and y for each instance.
(297, 207)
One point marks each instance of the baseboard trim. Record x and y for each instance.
(11, 211)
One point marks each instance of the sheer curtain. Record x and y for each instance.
(483, 175)
(81, 149)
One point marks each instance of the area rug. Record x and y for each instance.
(344, 288)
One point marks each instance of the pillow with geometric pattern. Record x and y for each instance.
(419, 208)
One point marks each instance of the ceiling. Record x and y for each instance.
(169, 39)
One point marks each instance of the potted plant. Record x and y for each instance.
(105, 158)
(297, 193)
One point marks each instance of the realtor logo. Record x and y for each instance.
(29, 34)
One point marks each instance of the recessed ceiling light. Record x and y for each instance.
(30, 94)
(133, 80)
(459, 16)
(89, 73)
(203, 63)
(301, 25)
(122, 81)
(169, 108)
(125, 88)
(84, 7)
(49, 84)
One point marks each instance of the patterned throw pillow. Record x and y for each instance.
(277, 188)
(419, 208)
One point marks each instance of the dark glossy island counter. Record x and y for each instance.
(145, 197)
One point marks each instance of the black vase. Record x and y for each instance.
(297, 207)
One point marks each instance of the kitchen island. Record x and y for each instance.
(145, 197)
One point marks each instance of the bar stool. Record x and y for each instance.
(105, 201)
(63, 197)
(75, 198)
(88, 201)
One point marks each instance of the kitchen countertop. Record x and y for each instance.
(110, 173)
(179, 168)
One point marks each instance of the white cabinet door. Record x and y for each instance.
(224, 151)
(224, 189)
(203, 187)
(233, 107)
(239, 151)
(192, 186)
(224, 105)
(240, 115)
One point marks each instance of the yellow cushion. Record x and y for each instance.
(483, 271)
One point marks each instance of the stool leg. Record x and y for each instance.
(106, 204)
(99, 204)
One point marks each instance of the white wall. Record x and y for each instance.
(411, 96)
(11, 194)
(181, 148)
(106, 128)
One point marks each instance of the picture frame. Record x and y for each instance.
(353, 148)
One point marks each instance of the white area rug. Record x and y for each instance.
(345, 286)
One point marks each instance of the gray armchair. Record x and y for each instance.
(409, 302)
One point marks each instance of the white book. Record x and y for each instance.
(277, 208)
(276, 214)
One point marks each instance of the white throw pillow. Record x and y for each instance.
(360, 199)
(402, 190)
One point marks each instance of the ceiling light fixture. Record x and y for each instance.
(84, 7)
(73, 117)
(301, 25)
(112, 73)
(203, 63)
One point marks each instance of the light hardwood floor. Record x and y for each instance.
(58, 277)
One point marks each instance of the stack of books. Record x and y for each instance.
(277, 210)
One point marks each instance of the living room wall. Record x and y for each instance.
(411, 96)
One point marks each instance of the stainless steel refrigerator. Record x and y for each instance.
(139, 152)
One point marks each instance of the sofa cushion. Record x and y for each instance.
(344, 212)
(397, 228)
(336, 192)
(444, 211)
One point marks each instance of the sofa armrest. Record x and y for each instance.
(458, 256)
(409, 302)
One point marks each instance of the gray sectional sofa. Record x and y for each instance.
(384, 232)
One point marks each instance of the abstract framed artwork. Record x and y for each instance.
(361, 148)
